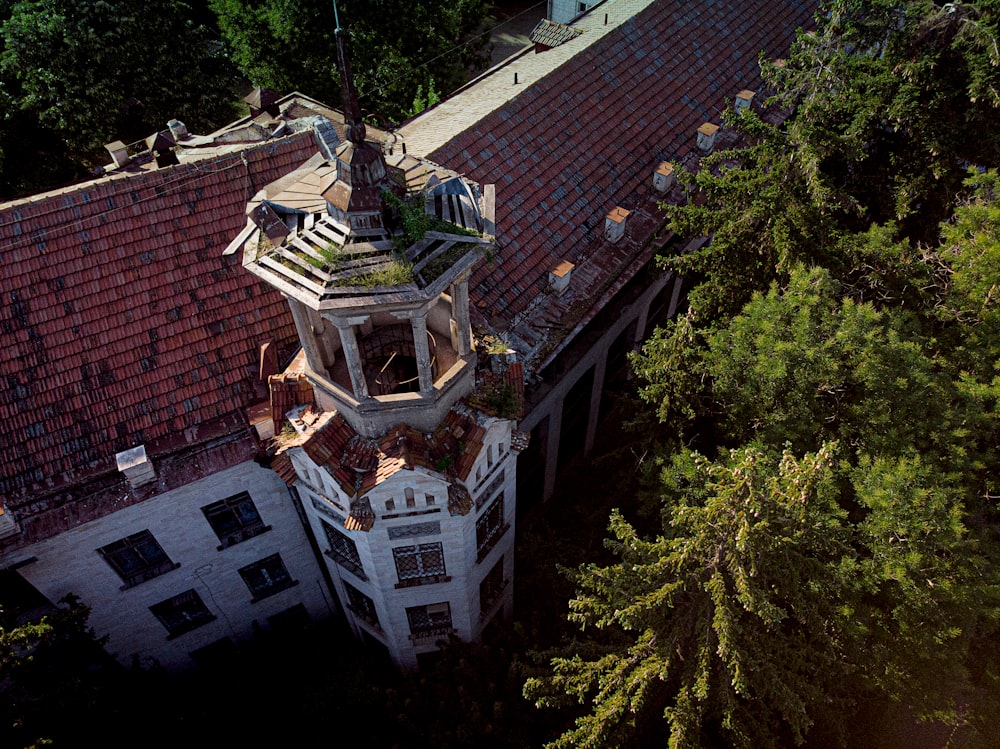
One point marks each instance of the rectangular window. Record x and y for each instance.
(361, 605)
(344, 551)
(410, 501)
(490, 527)
(491, 587)
(482, 495)
(182, 613)
(420, 564)
(266, 577)
(433, 620)
(234, 519)
(137, 558)
(429, 498)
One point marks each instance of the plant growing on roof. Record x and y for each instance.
(333, 254)
(421, 102)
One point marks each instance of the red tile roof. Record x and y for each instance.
(588, 136)
(122, 322)
(359, 464)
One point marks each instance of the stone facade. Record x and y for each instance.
(91, 561)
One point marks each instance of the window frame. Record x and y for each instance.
(431, 620)
(215, 512)
(427, 570)
(275, 583)
(170, 605)
(138, 545)
(491, 525)
(492, 587)
(349, 560)
(362, 606)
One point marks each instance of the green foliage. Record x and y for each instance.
(767, 604)
(422, 102)
(51, 672)
(732, 615)
(755, 204)
(414, 220)
(395, 47)
(871, 90)
(390, 273)
(830, 308)
(96, 72)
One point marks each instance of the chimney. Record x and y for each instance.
(262, 100)
(559, 277)
(119, 154)
(161, 146)
(326, 137)
(178, 130)
(614, 224)
(743, 100)
(663, 177)
(706, 137)
(138, 468)
(8, 526)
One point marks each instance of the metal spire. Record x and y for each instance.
(352, 110)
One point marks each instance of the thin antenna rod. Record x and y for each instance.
(352, 109)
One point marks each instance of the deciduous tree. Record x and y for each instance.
(396, 46)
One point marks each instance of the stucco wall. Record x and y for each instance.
(70, 563)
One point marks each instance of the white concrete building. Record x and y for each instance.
(405, 469)
(190, 571)
(128, 322)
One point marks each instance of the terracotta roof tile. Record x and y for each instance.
(110, 294)
(673, 69)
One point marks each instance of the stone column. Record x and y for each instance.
(552, 449)
(460, 313)
(352, 355)
(418, 322)
(596, 392)
(307, 337)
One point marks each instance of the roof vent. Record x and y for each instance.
(548, 34)
(177, 129)
(119, 153)
(559, 277)
(614, 224)
(663, 177)
(743, 100)
(161, 145)
(262, 100)
(326, 137)
(8, 526)
(136, 466)
(706, 137)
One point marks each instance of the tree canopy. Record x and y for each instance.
(832, 538)
(396, 47)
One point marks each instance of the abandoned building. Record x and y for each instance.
(218, 419)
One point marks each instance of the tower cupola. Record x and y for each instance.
(374, 258)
